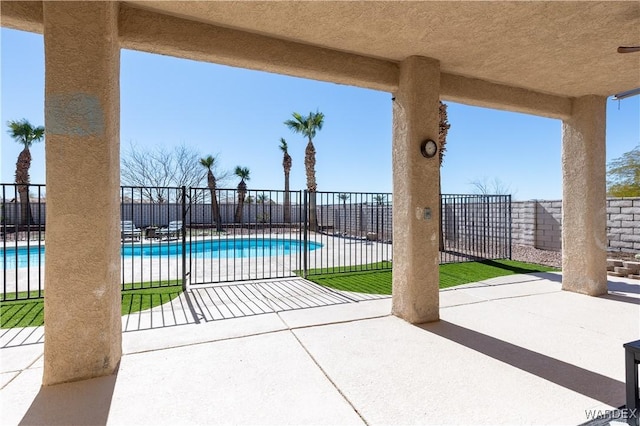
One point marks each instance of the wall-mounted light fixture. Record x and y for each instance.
(428, 148)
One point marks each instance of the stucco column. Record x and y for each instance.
(82, 122)
(584, 210)
(416, 192)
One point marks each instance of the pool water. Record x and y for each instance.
(210, 249)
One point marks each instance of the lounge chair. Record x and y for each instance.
(129, 231)
(173, 230)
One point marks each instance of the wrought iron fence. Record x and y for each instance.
(244, 235)
(153, 235)
(22, 231)
(354, 229)
(179, 236)
(475, 227)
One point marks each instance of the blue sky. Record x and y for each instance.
(238, 114)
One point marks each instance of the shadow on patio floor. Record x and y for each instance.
(588, 383)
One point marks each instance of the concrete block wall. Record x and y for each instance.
(523, 222)
(10, 212)
(534, 223)
(479, 226)
(470, 225)
(539, 224)
(548, 233)
(146, 214)
(357, 220)
(623, 224)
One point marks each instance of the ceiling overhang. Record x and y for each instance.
(524, 56)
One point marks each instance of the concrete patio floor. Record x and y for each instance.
(512, 350)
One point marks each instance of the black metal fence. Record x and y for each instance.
(244, 235)
(154, 239)
(192, 236)
(22, 231)
(475, 227)
(354, 229)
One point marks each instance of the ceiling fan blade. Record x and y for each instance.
(628, 49)
(628, 93)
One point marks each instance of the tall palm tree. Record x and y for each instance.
(207, 162)
(243, 174)
(308, 126)
(344, 198)
(26, 135)
(263, 199)
(443, 129)
(286, 165)
(380, 200)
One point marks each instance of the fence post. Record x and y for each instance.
(305, 252)
(184, 237)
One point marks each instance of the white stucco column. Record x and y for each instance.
(416, 192)
(584, 210)
(82, 122)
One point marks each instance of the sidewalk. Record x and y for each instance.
(512, 350)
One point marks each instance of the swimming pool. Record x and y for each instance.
(211, 249)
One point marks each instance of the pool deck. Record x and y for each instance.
(511, 350)
(335, 251)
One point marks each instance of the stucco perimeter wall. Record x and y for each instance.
(539, 224)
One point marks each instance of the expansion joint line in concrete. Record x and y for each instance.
(292, 331)
(184, 345)
(19, 372)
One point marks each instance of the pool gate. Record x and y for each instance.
(179, 236)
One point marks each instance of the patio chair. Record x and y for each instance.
(128, 230)
(173, 230)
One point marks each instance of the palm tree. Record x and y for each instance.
(207, 162)
(344, 198)
(443, 129)
(380, 199)
(308, 127)
(262, 199)
(243, 174)
(26, 135)
(286, 165)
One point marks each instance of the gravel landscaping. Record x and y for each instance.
(554, 258)
(533, 255)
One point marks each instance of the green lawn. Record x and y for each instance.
(451, 274)
(30, 313)
(37, 294)
(364, 279)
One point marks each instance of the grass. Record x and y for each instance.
(454, 274)
(30, 313)
(451, 274)
(363, 279)
(38, 294)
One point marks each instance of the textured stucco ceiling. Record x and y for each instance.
(562, 48)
